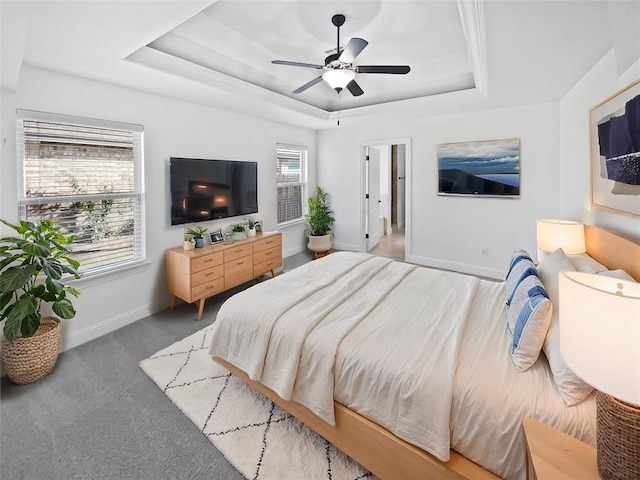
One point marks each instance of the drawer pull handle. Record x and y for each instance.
(209, 287)
(209, 260)
(239, 251)
(269, 253)
(270, 241)
(208, 274)
(239, 263)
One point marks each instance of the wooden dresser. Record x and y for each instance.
(198, 274)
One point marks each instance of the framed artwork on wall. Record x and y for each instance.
(615, 152)
(488, 168)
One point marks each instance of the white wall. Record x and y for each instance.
(450, 232)
(172, 128)
(598, 84)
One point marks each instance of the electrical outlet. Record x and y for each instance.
(485, 252)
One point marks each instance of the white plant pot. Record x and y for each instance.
(237, 236)
(251, 232)
(319, 243)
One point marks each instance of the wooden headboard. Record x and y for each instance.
(613, 250)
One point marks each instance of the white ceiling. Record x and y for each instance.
(219, 53)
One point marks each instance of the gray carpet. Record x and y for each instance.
(98, 416)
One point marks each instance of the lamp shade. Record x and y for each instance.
(600, 332)
(338, 78)
(553, 234)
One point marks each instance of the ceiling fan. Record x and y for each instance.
(339, 69)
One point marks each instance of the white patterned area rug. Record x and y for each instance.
(262, 441)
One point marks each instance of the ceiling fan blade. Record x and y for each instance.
(352, 50)
(395, 69)
(308, 84)
(297, 64)
(354, 88)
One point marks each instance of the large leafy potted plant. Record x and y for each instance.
(33, 268)
(319, 218)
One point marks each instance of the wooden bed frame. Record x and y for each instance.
(389, 457)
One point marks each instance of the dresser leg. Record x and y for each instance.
(173, 302)
(273, 273)
(200, 308)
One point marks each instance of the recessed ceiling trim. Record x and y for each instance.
(473, 26)
(166, 63)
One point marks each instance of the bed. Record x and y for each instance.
(326, 349)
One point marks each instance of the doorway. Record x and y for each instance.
(386, 166)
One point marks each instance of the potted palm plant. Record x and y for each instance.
(33, 268)
(319, 219)
(197, 233)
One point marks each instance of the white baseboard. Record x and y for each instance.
(345, 246)
(456, 266)
(114, 323)
(292, 251)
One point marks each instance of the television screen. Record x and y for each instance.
(204, 190)
(487, 168)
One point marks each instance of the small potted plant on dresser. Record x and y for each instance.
(33, 268)
(197, 233)
(252, 228)
(239, 232)
(319, 218)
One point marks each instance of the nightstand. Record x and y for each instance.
(554, 455)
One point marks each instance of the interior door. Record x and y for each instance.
(374, 223)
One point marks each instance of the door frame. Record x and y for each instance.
(406, 141)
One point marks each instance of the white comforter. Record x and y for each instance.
(406, 321)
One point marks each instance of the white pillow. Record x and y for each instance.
(528, 311)
(584, 263)
(571, 388)
(619, 274)
(549, 270)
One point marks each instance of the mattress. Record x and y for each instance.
(422, 352)
(490, 398)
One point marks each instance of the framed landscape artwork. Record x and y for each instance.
(489, 168)
(615, 152)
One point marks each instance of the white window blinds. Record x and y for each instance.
(291, 164)
(87, 176)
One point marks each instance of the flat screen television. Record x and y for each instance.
(204, 189)
(489, 168)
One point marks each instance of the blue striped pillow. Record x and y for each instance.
(528, 310)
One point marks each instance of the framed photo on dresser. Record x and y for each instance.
(216, 237)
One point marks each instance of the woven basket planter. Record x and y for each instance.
(618, 439)
(27, 360)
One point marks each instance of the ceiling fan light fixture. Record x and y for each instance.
(338, 78)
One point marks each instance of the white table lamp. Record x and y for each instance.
(600, 341)
(552, 234)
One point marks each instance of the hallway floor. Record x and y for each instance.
(391, 246)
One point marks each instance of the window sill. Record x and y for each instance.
(109, 275)
(290, 224)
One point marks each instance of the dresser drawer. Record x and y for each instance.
(206, 261)
(240, 251)
(268, 242)
(207, 275)
(238, 271)
(264, 267)
(268, 254)
(207, 289)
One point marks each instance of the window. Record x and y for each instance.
(87, 176)
(291, 164)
